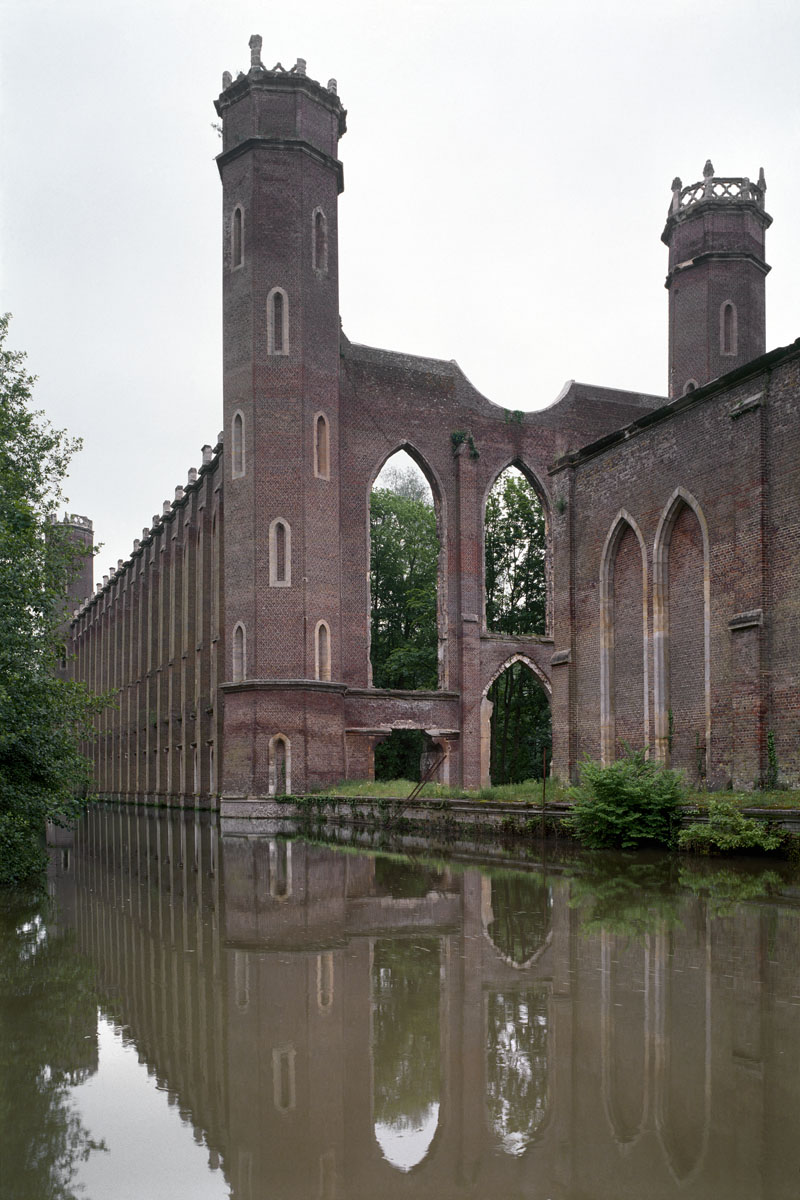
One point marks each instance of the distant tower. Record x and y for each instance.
(281, 180)
(81, 585)
(715, 234)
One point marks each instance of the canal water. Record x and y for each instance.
(189, 1015)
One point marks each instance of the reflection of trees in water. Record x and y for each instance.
(522, 910)
(48, 1015)
(405, 1031)
(516, 1066)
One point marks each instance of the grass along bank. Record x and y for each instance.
(530, 792)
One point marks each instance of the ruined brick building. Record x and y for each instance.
(237, 633)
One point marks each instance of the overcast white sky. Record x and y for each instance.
(507, 175)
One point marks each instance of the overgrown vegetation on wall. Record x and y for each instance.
(42, 718)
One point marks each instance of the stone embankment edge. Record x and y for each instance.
(512, 819)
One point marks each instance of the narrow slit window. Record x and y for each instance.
(237, 465)
(322, 653)
(322, 467)
(728, 328)
(277, 322)
(320, 243)
(236, 238)
(280, 553)
(239, 651)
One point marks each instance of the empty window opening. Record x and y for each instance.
(407, 612)
(728, 328)
(280, 553)
(237, 458)
(239, 653)
(517, 558)
(277, 322)
(236, 238)
(319, 245)
(400, 755)
(520, 733)
(322, 466)
(322, 651)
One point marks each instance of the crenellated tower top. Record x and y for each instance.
(715, 189)
(268, 118)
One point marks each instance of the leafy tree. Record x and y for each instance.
(42, 717)
(516, 603)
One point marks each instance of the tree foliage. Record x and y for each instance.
(728, 831)
(42, 774)
(403, 576)
(516, 547)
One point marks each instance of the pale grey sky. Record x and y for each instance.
(507, 175)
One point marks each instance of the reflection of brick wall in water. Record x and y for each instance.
(686, 643)
(628, 661)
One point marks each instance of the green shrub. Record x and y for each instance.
(727, 831)
(629, 802)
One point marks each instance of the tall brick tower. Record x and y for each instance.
(715, 234)
(281, 179)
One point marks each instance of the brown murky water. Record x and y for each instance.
(201, 1017)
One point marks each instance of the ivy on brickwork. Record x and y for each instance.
(459, 436)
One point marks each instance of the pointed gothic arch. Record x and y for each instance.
(487, 708)
(679, 500)
(622, 522)
(543, 496)
(440, 511)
